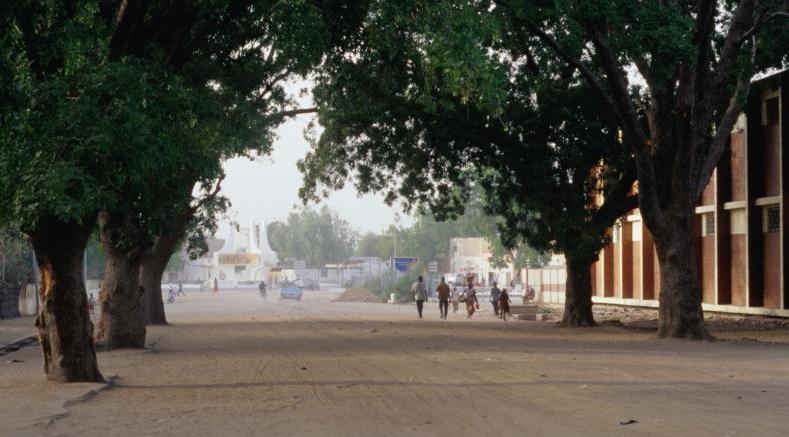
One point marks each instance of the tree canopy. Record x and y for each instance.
(674, 76)
(401, 117)
(529, 99)
(125, 107)
(454, 103)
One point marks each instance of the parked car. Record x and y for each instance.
(309, 284)
(223, 285)
(248, 285)
(289, 290)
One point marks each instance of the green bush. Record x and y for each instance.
(401, 286)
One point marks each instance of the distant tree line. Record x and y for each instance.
(322, 237)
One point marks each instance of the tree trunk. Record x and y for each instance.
(680, 309)
(122, 320)
(154, 264)
(65, 331)
(578, 294)
(151, 273)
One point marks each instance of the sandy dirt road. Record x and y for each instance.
(235, 365)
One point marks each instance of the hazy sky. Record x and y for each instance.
(267, 189)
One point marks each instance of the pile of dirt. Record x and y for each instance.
(358, 295)
(719, 322)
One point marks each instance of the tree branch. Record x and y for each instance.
(760, 21)
(575, 62)
(269, 86)
(634, 133)
(723, 133)
(619, 200)
(294, 112)
(209, 197)
(732, 43)
(618, 83)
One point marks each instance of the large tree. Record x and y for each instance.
(99, 103)
(696, 60)
(187, 227)
(229, 62)
(251, 63)
(423, 112)
(61, 149)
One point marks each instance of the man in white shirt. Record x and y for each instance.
(419, 291)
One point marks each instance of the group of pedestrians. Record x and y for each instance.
(171, 294)
(499, 298)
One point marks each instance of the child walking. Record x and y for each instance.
(504, 304)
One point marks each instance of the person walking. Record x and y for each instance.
(92, 307)
(504, 304)
(455, 299)
(443, 298)
(216, 286)
(420, 294)
(470, 298)
(495, 294)
(180, 289)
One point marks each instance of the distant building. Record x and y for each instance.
(367, 266)
(473, 256)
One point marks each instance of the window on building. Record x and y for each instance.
(773, 219)
(709, 224)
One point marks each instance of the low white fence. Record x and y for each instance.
(28, 300)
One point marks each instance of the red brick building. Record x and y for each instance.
(741, 241)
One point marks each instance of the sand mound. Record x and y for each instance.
(358, 295)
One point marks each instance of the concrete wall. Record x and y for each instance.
(548, 282)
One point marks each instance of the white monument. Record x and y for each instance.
(246, 255)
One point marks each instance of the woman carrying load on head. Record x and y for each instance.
(470, 296)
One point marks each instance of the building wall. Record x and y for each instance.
(635, 265)
(739, 232)
(772, 270)
(738, 255)
(708, 269)
(771, 175)
(548, 282)
(737, 184)
(617, 265)
(648, 271)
